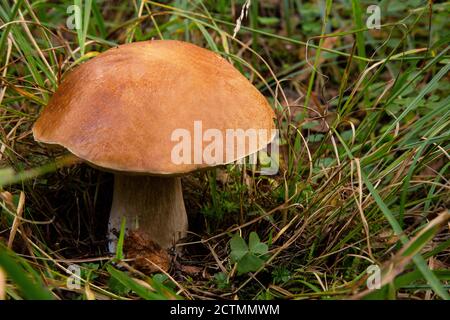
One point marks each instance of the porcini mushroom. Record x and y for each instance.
(125, 111)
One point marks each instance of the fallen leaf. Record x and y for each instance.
(147, 254)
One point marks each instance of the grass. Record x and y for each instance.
(364, 118)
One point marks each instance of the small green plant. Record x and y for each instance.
(221, 280)
(124, 283)
(164, 280)
(88, 271)
(249, 257)
(118, 287)
(281, 275)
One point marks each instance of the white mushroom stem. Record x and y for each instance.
(151, 205)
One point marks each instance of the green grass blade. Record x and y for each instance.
(29, 283)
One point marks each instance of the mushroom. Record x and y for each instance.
(132, 109)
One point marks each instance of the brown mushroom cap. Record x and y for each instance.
(118, 110)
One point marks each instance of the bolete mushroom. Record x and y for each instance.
(132, 109)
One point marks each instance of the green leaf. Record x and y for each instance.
(256, 246)
(208, 37)
(238, 248)
(268, 21)
(249, 263)
(21, 273)
(131, 284)
(118, 287)
(221, 280)
(164, 280)
(120, 241)
(248, 257)
(160, 291)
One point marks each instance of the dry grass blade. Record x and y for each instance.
(16, 222)
(2, 284)
(400, 261)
